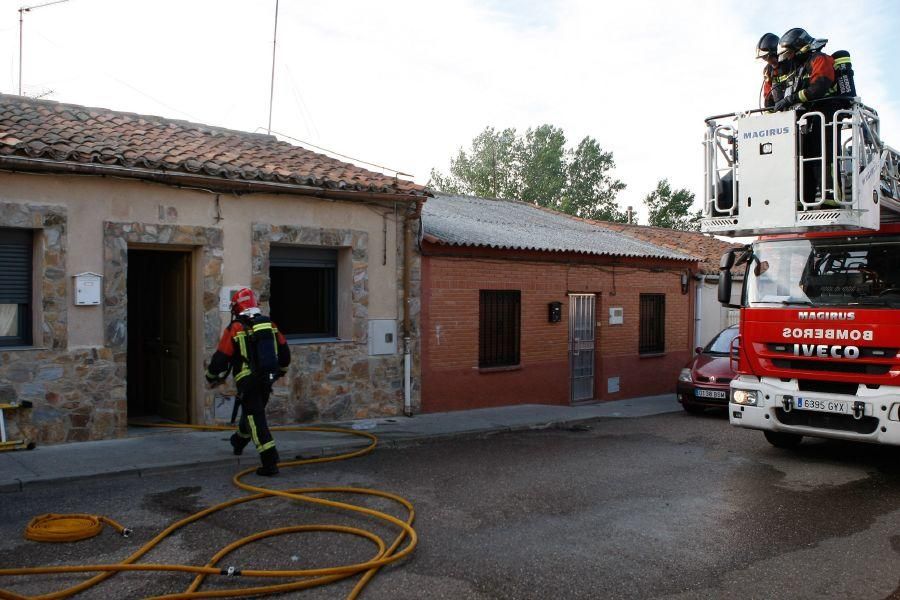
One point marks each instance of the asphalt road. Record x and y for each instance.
(671, 506)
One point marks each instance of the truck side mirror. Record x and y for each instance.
(725, 265)
(727, 260)
(725, 287)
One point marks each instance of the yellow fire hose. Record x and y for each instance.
(77, 527)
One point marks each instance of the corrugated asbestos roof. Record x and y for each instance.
(69, 133)
(514, 225)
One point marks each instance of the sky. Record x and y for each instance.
(404, 84)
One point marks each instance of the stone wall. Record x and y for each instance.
(117, 239)
(80, 393)
(330, 381)
(73, 392)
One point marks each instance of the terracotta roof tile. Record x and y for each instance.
(706, 247)
(76, 134)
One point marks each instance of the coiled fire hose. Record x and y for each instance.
(69, 528)
(77, 527)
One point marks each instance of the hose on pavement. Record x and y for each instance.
(77, 527)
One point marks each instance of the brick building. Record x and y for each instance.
(525, 305)
(710, 317)
(162, 219)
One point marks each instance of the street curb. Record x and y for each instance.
(247, 460)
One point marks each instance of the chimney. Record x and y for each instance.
(629, 214)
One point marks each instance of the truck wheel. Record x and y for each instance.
(780, 439)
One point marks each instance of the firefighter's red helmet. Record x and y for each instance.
(242, 300)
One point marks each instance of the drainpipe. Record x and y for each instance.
(698, 308)
(407, 333)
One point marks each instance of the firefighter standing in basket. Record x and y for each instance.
(773, 75)
(256, 354)
(819, 81)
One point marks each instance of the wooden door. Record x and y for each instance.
(159, 334)
(174, 354)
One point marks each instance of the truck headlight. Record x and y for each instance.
(745, 397)
(685, 376)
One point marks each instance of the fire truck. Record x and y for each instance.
(818, 351)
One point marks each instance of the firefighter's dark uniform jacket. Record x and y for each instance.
(232, 355)
(773, 85)
(814, 79)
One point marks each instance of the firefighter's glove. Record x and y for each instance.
(785, 103)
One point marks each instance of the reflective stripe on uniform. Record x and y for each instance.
(241, 339)
(842, 61)
(802, 95)
(253, 433)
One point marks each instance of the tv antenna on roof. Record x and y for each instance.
(22, 11)
(272, 80)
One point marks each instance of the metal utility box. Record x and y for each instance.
(555, 312)
(382, 336)
(88, 288)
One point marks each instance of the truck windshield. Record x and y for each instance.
(826, 272)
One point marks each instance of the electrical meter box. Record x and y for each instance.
(88, 288)
(616, 315)
(382, 336)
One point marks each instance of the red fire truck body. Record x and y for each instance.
(825, 367)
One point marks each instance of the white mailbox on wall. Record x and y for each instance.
(382, 336)
(88, 288)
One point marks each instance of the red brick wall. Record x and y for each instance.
(451, 379)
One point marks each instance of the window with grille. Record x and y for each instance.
(303, 291)
(653, 324)
(499, 327)
(15, 287)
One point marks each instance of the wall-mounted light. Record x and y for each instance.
(684, 282)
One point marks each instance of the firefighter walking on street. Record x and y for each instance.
(256, 354)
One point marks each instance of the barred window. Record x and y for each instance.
(15, 287)
(653, 324)
(499, 327)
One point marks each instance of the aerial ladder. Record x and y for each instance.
(758, 181)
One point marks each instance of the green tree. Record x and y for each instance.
(591, 192)
(672, 209)
(488, 169)
(538, 168)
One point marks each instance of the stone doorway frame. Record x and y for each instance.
(206, 244)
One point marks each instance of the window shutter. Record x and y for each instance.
(15, 273)
(288, 256)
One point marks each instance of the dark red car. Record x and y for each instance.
(703, 383)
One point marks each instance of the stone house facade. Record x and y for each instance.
(167, 218)
(522, 305)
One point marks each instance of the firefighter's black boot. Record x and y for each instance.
(269, 460)
(238, 443)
